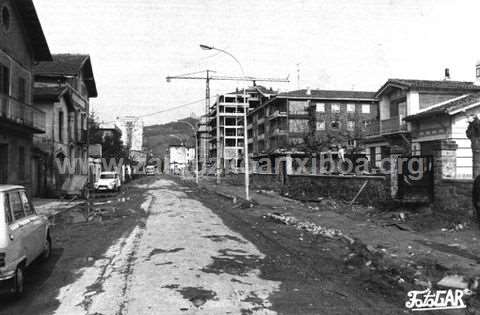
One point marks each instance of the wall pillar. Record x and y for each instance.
(473, 133)
(444, 165)
(395, 153)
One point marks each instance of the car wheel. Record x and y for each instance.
(18, 281)
(47, 249)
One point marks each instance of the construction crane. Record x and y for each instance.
(207, 76)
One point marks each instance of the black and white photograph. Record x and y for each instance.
(221, 157)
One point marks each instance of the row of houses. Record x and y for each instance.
(44, 104)
(403, 117)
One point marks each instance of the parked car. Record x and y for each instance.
(24, 237)
(151, 170)
(108, 181)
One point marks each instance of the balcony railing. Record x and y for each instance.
(392, 125)
(21, 114)
(277, 114)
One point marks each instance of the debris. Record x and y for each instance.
(453, 281)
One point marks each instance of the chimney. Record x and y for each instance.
(309, 91)
(447, 74)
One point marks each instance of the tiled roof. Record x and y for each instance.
(448, 107)
(69, 65)
(329, 94)
(430, 85)
(65, 64)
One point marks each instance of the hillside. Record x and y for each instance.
(159, 137)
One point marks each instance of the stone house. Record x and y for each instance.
(22, 44)
(400, 98)
(63, 88)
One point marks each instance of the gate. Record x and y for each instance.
(415, 178)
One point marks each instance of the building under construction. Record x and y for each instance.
(226, 131)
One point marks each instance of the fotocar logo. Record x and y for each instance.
(429, 300)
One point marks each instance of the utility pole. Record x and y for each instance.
(217, 143)
(204, 140)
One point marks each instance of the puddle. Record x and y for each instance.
(197, 295)
(157, 251)
(232, 263)
(224, 238)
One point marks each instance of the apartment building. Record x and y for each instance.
(310, 120)
(22, 44)
(62, 89)
(414, 114)
(229, 119)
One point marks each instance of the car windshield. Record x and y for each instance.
(107, 176)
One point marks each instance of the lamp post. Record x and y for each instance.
(245, 110)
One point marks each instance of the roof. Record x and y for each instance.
(329, 94)
(69, 65)
(429, 85)
(33, 28)
(449, 107)
(4, 188)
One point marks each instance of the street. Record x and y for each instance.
(168, 249)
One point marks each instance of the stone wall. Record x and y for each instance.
(257, 181)
(377, 190)
(453, 197)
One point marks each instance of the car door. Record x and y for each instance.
(35, 226)
(18, 228)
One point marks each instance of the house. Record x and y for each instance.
(132, 132)
(63, 88)
(228, 146)
(22, 44)
(408, 112)
(310, 120)
(178, 159)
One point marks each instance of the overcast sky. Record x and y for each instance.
(339, 44)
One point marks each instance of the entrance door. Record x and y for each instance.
(3, 163)
(415, 179)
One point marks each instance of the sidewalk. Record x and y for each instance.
(51, 207)
(426, 256)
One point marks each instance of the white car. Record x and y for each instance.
(108, 181)
(24, 236)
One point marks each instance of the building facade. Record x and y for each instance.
(63, 88)
(310, 120)
(406, 125)
(132, 132)
(229, 143)
(22, 44)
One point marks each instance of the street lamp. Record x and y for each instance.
(245, 140)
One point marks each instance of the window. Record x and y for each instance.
(4, 80)
(320, 107)
(22, 90)
(60, 126)
(16, 205)
(27, 206)
(298, 107)
(8, 212)
(298, 125)
(365, 109)
(21, 163)
(335, 125)
(335, 108)
(351, 108)
(320, 125)
(351, 125)
(6, 18)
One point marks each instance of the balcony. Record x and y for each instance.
(279, 132)
(393, 125)
(21, 116)
(277, 114)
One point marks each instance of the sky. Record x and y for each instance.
(335, 44)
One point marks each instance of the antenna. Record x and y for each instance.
(298, 76)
